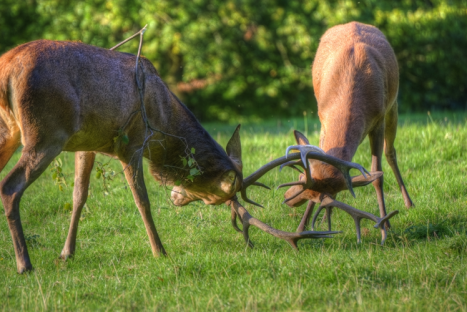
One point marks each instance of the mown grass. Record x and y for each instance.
(421, 266)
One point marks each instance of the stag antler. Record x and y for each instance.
(328, 203)
(313, 152)
(306, 152)
(307, 184)
(309, 152)
(252, 178)
(290, 237)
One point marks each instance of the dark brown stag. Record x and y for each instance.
(355, 80)
(68, 96)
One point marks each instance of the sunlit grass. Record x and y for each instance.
(421, 266)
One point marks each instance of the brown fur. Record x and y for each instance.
(68, 96)
(355, 80)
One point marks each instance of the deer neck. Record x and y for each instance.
(182, 138)
(343, 121)
(342, 134)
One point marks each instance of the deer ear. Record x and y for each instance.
(362, 181)
(300, 138)
(234, 148)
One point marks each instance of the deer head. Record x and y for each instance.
(218, 189)
(321, 178)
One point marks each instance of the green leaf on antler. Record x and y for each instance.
(194, 171)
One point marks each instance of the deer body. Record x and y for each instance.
(68, 96)
(355, 80)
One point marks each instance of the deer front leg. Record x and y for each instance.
(84, 161)
(135, 179)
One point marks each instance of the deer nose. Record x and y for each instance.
(178, 196)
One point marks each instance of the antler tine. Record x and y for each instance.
(292, 164)
(304, 150)
(262, 185)
(328, 217)
(233, 219)
(290, 184)
(315, 216)
(358, 215)
(381, 222)
(291, 237)
(293, 196)
(245, 198)
(235, 226)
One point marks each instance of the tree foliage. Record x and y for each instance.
(228, 59)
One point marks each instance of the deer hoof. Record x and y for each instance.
(24, 269)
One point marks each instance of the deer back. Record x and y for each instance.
(83, 92)
(355, 80)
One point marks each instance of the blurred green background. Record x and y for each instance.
(250, 60)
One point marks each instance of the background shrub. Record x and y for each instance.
(248, 59)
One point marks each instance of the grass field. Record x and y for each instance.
(421, 267)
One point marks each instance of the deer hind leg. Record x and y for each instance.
(34, 160)
(134, 176)
(10, 140)
(84, 162)
(376, 143)
(390, 151)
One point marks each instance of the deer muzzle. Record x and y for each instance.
(179, 197)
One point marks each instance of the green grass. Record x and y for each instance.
(421, 267)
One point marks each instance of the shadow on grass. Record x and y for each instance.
(454, 225)
(451, 234)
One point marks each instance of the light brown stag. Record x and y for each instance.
(68, 96)
(355, 80)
